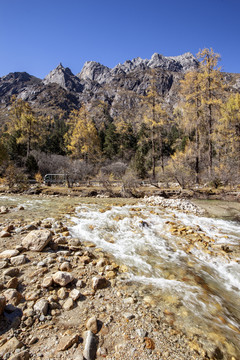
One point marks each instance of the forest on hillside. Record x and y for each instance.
(194, 142)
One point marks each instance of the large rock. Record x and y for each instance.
(62, 278)
(36, 240)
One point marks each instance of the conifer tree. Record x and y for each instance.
(82, 138)
(191, 116)
(228, 138)
(212, 89)
(156, 118)
(23, 123)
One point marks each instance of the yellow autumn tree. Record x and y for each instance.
(212, 93)
(181, 166)
(228, 140)
(191, 116)
(156, 119)
(82, 138)
(23, 123)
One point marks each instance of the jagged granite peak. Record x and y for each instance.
(65, 78)
(179, 63)
(94, 71)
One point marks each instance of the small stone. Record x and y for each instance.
(128, 316)
(110, 275)
(47, 281)
(23, 355)
(69, 304)
(80, 284)
(21, 207)
(128, 300)
(37, 240)
(13, 296)
(4, 210)
(2, 303)
(7, 254)
(141, 333)
(28, 312)
(4, 234)
(41, 306)
(32, 295)
(12, 283)
(34, 340)
(102, 352)
(92, 325)
(90, 345)
(29, 321)
(3, 264)
(62, 278)
(62, 293)
(18, 260)
(99, 283)
(75, 294)
(10, 346)
(65, 266)
(67, 341)
(12, 272)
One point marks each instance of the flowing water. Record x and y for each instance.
(198, 289)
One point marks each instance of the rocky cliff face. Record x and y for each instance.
(62, 90)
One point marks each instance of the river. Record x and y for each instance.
(197, 287)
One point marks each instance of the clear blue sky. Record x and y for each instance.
(36, 35)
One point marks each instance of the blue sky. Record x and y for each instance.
(36, 35)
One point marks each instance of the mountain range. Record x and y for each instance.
(62, 90)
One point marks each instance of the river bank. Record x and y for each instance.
(125, 322)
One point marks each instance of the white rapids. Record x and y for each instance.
(199, 285)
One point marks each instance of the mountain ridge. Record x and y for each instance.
(62, 90)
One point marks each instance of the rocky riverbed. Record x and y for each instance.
(64, 298)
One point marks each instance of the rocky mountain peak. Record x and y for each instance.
(94, 71)
(65, 78)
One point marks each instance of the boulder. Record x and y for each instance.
(36, 240)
